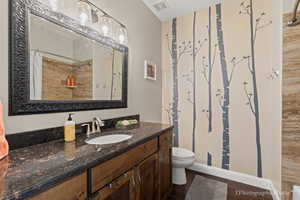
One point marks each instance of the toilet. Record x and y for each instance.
(181, 159)
(296, 193)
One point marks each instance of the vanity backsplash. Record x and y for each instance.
(25, 139)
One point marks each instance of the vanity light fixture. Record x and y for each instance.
(108, 25)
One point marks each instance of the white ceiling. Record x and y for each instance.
(176, 8)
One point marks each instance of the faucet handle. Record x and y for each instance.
(100, 121)
(88, 129)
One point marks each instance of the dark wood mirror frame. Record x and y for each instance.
(19, 72)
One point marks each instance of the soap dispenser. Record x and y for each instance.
(70, 129)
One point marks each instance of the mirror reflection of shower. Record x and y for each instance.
(67, 66)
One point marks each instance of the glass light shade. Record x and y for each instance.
(84, 10)
(115, 30)
(123, 36)
(53, 4)
(106, 26)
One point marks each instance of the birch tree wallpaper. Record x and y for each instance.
(217, 75)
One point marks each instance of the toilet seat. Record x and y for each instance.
(182, 154)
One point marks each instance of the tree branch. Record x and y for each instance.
(205, 76)
(258, 26)
(249, 65)
(244, 8)
(220, 103)
(249, 99)
(169, 113)
(185, 50)
(200, 46)
(265, 25)
(189, 99)
(220, 98)
(256, 29)
(204, 71)
(214, 57)
(168, 43)
(235, 64)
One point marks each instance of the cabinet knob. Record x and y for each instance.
(80, 196)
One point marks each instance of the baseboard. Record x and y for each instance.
(238, 177)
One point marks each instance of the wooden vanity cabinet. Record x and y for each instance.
(165, 165)
(142, 173)
(140, 183)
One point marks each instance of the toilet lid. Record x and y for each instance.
(181, 153)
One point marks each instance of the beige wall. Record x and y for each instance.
(145, 43)
(243, 151)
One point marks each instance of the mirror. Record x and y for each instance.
(59, 65)
(65, 65)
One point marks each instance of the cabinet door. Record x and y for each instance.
(123, 188)
(165, 165)
(148, 178)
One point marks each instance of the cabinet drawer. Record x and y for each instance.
(73, 189)
(106, 172)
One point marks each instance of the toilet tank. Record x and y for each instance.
(296, 193)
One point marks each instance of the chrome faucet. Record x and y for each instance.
(97, 123)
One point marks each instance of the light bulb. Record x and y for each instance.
(121, 38)
(106, 26)
(84, 12)
(105, 30)
(122, 35)
(83, 18)
(53, 4)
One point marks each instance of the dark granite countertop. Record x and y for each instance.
(30, 170)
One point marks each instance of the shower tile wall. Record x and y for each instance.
(84, 80)
(54, 76)
(54, 70)
(291, 108)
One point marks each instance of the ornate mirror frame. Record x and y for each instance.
(19, 72)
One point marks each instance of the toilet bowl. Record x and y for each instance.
(181, 159)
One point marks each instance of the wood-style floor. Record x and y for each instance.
(236, 191)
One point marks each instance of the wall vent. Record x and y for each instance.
(161, 5)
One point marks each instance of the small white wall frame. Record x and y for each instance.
(150, 70)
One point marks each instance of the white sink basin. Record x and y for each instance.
(109, 139)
